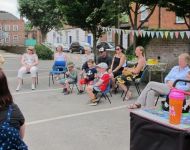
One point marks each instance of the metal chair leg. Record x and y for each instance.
(157, 100)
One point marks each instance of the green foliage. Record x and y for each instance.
(43, 52)
(42, 14)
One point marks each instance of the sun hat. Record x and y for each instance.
(70, 64)
(102, 65)
(30, 48)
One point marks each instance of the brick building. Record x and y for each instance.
(162, 19)
(11, 30)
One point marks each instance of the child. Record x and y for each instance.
(100, 85)
(89, 76)
(71, 76)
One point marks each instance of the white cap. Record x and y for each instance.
(102, 49)
(102, 65)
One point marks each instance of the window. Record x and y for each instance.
(144, 12)
(1, 28)
(15, 27)
(7, 28)
(15, 39)
(7, 39)
(180, 19)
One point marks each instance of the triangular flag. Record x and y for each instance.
(171, 35)
(144, 33)
(166, 34)
(176, 35)
(188, 34)
(182, 34)
(157, 34)
(152, 34)
(148, 33)
(136, 33)
(161, 34)
(140, 32)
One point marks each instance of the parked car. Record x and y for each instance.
(109, 46)
(78, 47)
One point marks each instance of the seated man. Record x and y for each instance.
(104, 57)
(177, 72)
(100, 85)
(71, 76)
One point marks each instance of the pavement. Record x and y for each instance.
(67, 122)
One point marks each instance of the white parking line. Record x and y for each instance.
(74, 115)
(36, 91)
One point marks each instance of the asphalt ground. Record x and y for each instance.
(66, 122)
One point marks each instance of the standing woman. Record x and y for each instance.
(12, 122)
(29, 62)
(118, 63)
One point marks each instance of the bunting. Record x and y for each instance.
(149, 33)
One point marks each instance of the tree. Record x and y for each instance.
(42, 14)
(181, 8)
(88, 15)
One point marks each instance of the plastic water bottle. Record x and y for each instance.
(176, 98)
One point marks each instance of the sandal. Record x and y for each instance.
(128, 96)
(134, 106)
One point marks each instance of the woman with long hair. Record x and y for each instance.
(12, 121)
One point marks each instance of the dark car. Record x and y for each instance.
(78, 47)
(106, 45)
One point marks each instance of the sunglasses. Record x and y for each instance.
(30, 49)
(117, 49)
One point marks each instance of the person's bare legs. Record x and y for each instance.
(90, 93)
(21, 71)
(125, 89)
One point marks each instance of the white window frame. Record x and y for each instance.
(7, 39)
(7, 28)
(15, 27)
(143, 12)
(15, 39)
(179, 19)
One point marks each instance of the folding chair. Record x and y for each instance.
(166, 96)
(74, 84)
(136, 82)
(60, 68)
(104, 93)
(36, 80)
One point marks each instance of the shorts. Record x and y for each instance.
(62, 81)
(96, 89)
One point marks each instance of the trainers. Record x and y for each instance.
(93, 104)
(18, 87)
(66, 93)
(80, 91)
(33, 87)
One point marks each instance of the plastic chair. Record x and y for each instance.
(36, 80)
(104, 93)
(136, 82)
(59, 68)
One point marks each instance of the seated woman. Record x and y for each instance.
(100, 85)
(29, 62)
(118, 63)
(135, 72)
(89, 75)
(71, 76)
(59, 58)
(152, 88)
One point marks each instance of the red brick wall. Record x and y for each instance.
(167, 49)
(167, 20)
(20, 33)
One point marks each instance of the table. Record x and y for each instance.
(150, 130)
(160, 67)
